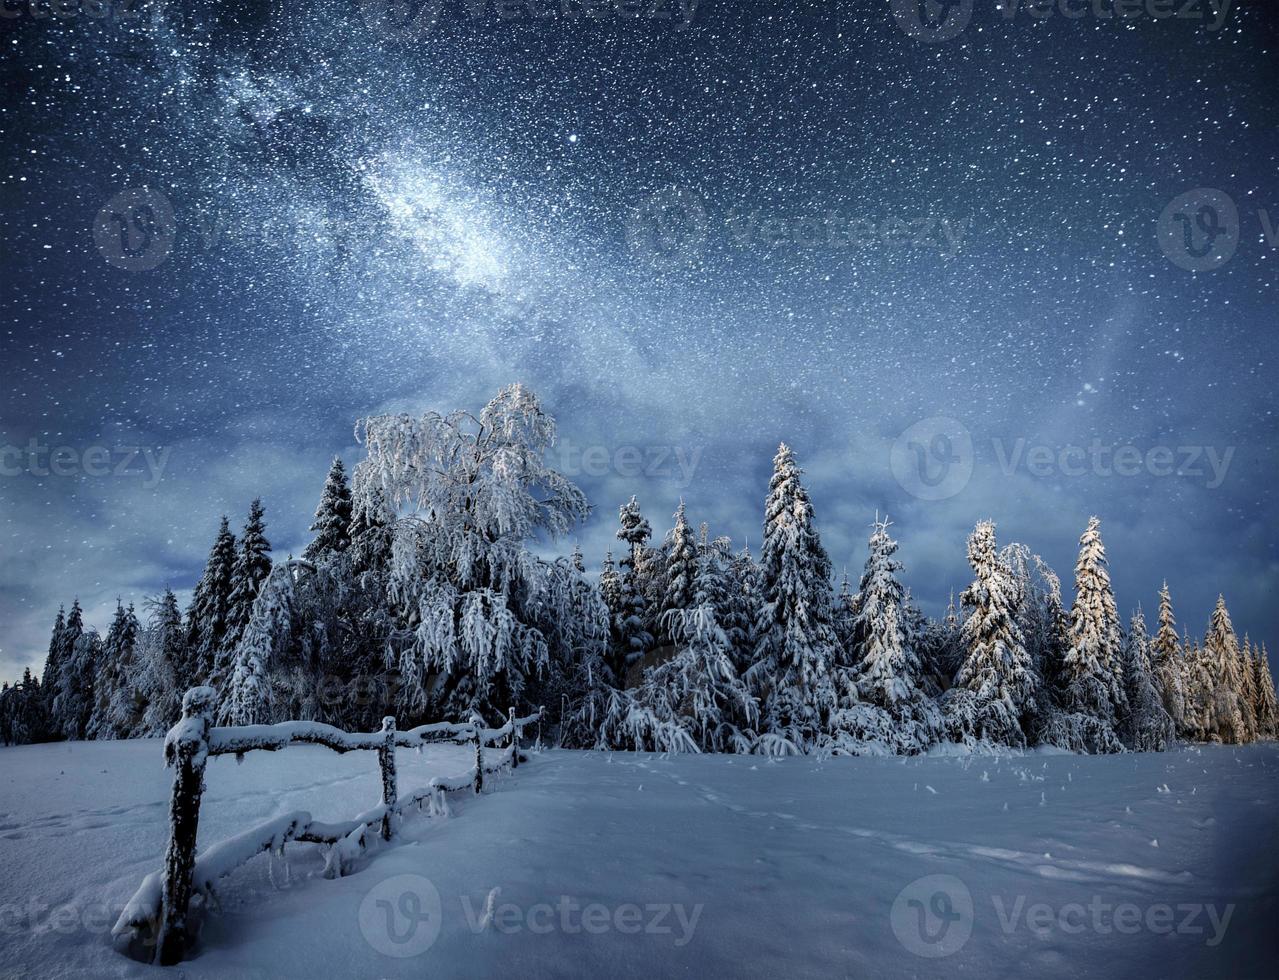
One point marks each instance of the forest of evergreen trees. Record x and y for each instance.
(420, 597)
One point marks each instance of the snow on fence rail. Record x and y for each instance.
(154, 922)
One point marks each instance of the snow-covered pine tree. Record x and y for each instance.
(630, 628)
(68, 687)
(1267, 707)
(22, 712)
(1221, 648)
(1247, 690)
(886, 676)
(52, 674)
(681, 570)
(699, 689)
(844, 622)
(887, 665)
(744, 603)
(252, 566)
(210, 605)
(470, 590)
(1092, 669)
(1167, 663)
(333, 515)
(1198, 685)
(994, 694)
(163, 654)
(1147, 727)
(248, 697)
(117, 703)
(611, 594)
(796, 645)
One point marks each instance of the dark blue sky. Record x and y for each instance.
(693, 236)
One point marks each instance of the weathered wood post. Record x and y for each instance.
(386, 759)
(186, 749)
(479, 756)
(514, 742)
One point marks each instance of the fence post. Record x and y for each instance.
(386, 759)
(479, 758)
(186, 748)
(515, 741)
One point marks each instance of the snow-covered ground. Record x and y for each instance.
(587, 864)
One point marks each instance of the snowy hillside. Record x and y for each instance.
(593, 864)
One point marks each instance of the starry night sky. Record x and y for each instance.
(640, 219)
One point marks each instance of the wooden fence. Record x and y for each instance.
(154, 925)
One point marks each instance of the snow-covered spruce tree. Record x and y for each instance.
(118, 705)
(1267, 707)
(52, 676)
(69, 685)
(1147, 726)
(1247, 689)
(718, 587)
(251, 568)
(796, 645)
(1225, 721)
(744, 602)
(86, 659)
(844, 620)
(993, 699)
(1199, 684)
(248, 696)
(619, 644)
(22, 718)
(681, 569)
(162, 655)
(631, 634)
(207, 615)
(699, 689)
(332, 524)
(1167, 664)
(467, 589)
(1092, 671)
(884, 692)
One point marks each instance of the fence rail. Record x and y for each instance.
(154, 923)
